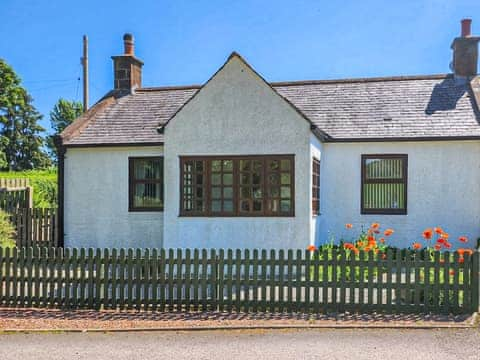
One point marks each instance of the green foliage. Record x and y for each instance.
(21, 138)
(7, 231)
(44, 183)
(63, 114)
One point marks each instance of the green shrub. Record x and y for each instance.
(44, 183)
(7, 231)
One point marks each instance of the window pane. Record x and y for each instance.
(216, 165)
(227, 179)
(148, 195)
(228, 192)
(285, 165)
(384, 168)
(285, 192)
(245, 165)
(216, 192)
(285, 179)
(147, 169)
(285, 205)
(228, 165)
(273, 179)
(245, 179)
(216, 205)
(216, 179)
(257, 205)
(228, 205)
(384, 196)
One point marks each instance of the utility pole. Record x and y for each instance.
(84, 62)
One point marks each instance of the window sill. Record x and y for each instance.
(144, 210)
(235, 216)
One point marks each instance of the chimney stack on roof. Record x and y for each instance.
(465, 51)
(127, 68)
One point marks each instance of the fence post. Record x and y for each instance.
(476, 281)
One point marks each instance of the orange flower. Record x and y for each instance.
(388, 232)
(447, 245)
(444, 235)
(468, 251)
(427, 234)
(370, 238)
(442, 261)
(382, 240)
(441, 240)
(367, 248)
(360, 243)
(461, 252)
(348, 246)
(417, 246)
(437, 247)
(348, 226)
(463, 239)
(311, 248)
(461, 260)
(438, 230)
(356, 251)
(452, 272)
(375, 226)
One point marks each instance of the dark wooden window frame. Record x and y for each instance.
(403, 180)
(236, 186)
(132, 182)
(315, 186)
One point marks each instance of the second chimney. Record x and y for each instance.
(127, 68)
(465, 51)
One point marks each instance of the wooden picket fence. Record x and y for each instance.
(35, 227)
(239, 281)
(14, 199)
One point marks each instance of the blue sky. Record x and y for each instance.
(184, 42)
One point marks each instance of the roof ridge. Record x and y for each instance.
(312, 82)
(362, 80)
(166, 88)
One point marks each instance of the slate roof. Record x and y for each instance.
(377, 109)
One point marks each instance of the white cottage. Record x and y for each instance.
(239, 162)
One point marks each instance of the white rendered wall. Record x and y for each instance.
(443, 190)
(316, 148)
(96, 200)
(237, 113)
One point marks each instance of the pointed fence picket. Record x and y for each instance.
(239, 281)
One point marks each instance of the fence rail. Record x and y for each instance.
(35, 227)
(12, 200)
(258, 281)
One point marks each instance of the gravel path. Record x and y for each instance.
(11, 319)
(292, 344)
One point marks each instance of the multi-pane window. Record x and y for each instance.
(237, 186)
(384, 184)
(146, 184)
(315, 186)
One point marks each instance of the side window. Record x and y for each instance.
(146, 184)
(315, 186)
(384, 184)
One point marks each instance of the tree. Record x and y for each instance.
(21, 140)
(63, 114)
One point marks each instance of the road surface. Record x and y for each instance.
(329, 344)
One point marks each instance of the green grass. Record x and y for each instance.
(44, 183)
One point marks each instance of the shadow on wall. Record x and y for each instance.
(446, 95)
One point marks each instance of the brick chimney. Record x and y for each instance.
(127, 69)
(465, 51)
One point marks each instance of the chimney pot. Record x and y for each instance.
(128, 44)
(466, 27)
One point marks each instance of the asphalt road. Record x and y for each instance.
(273, 344)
